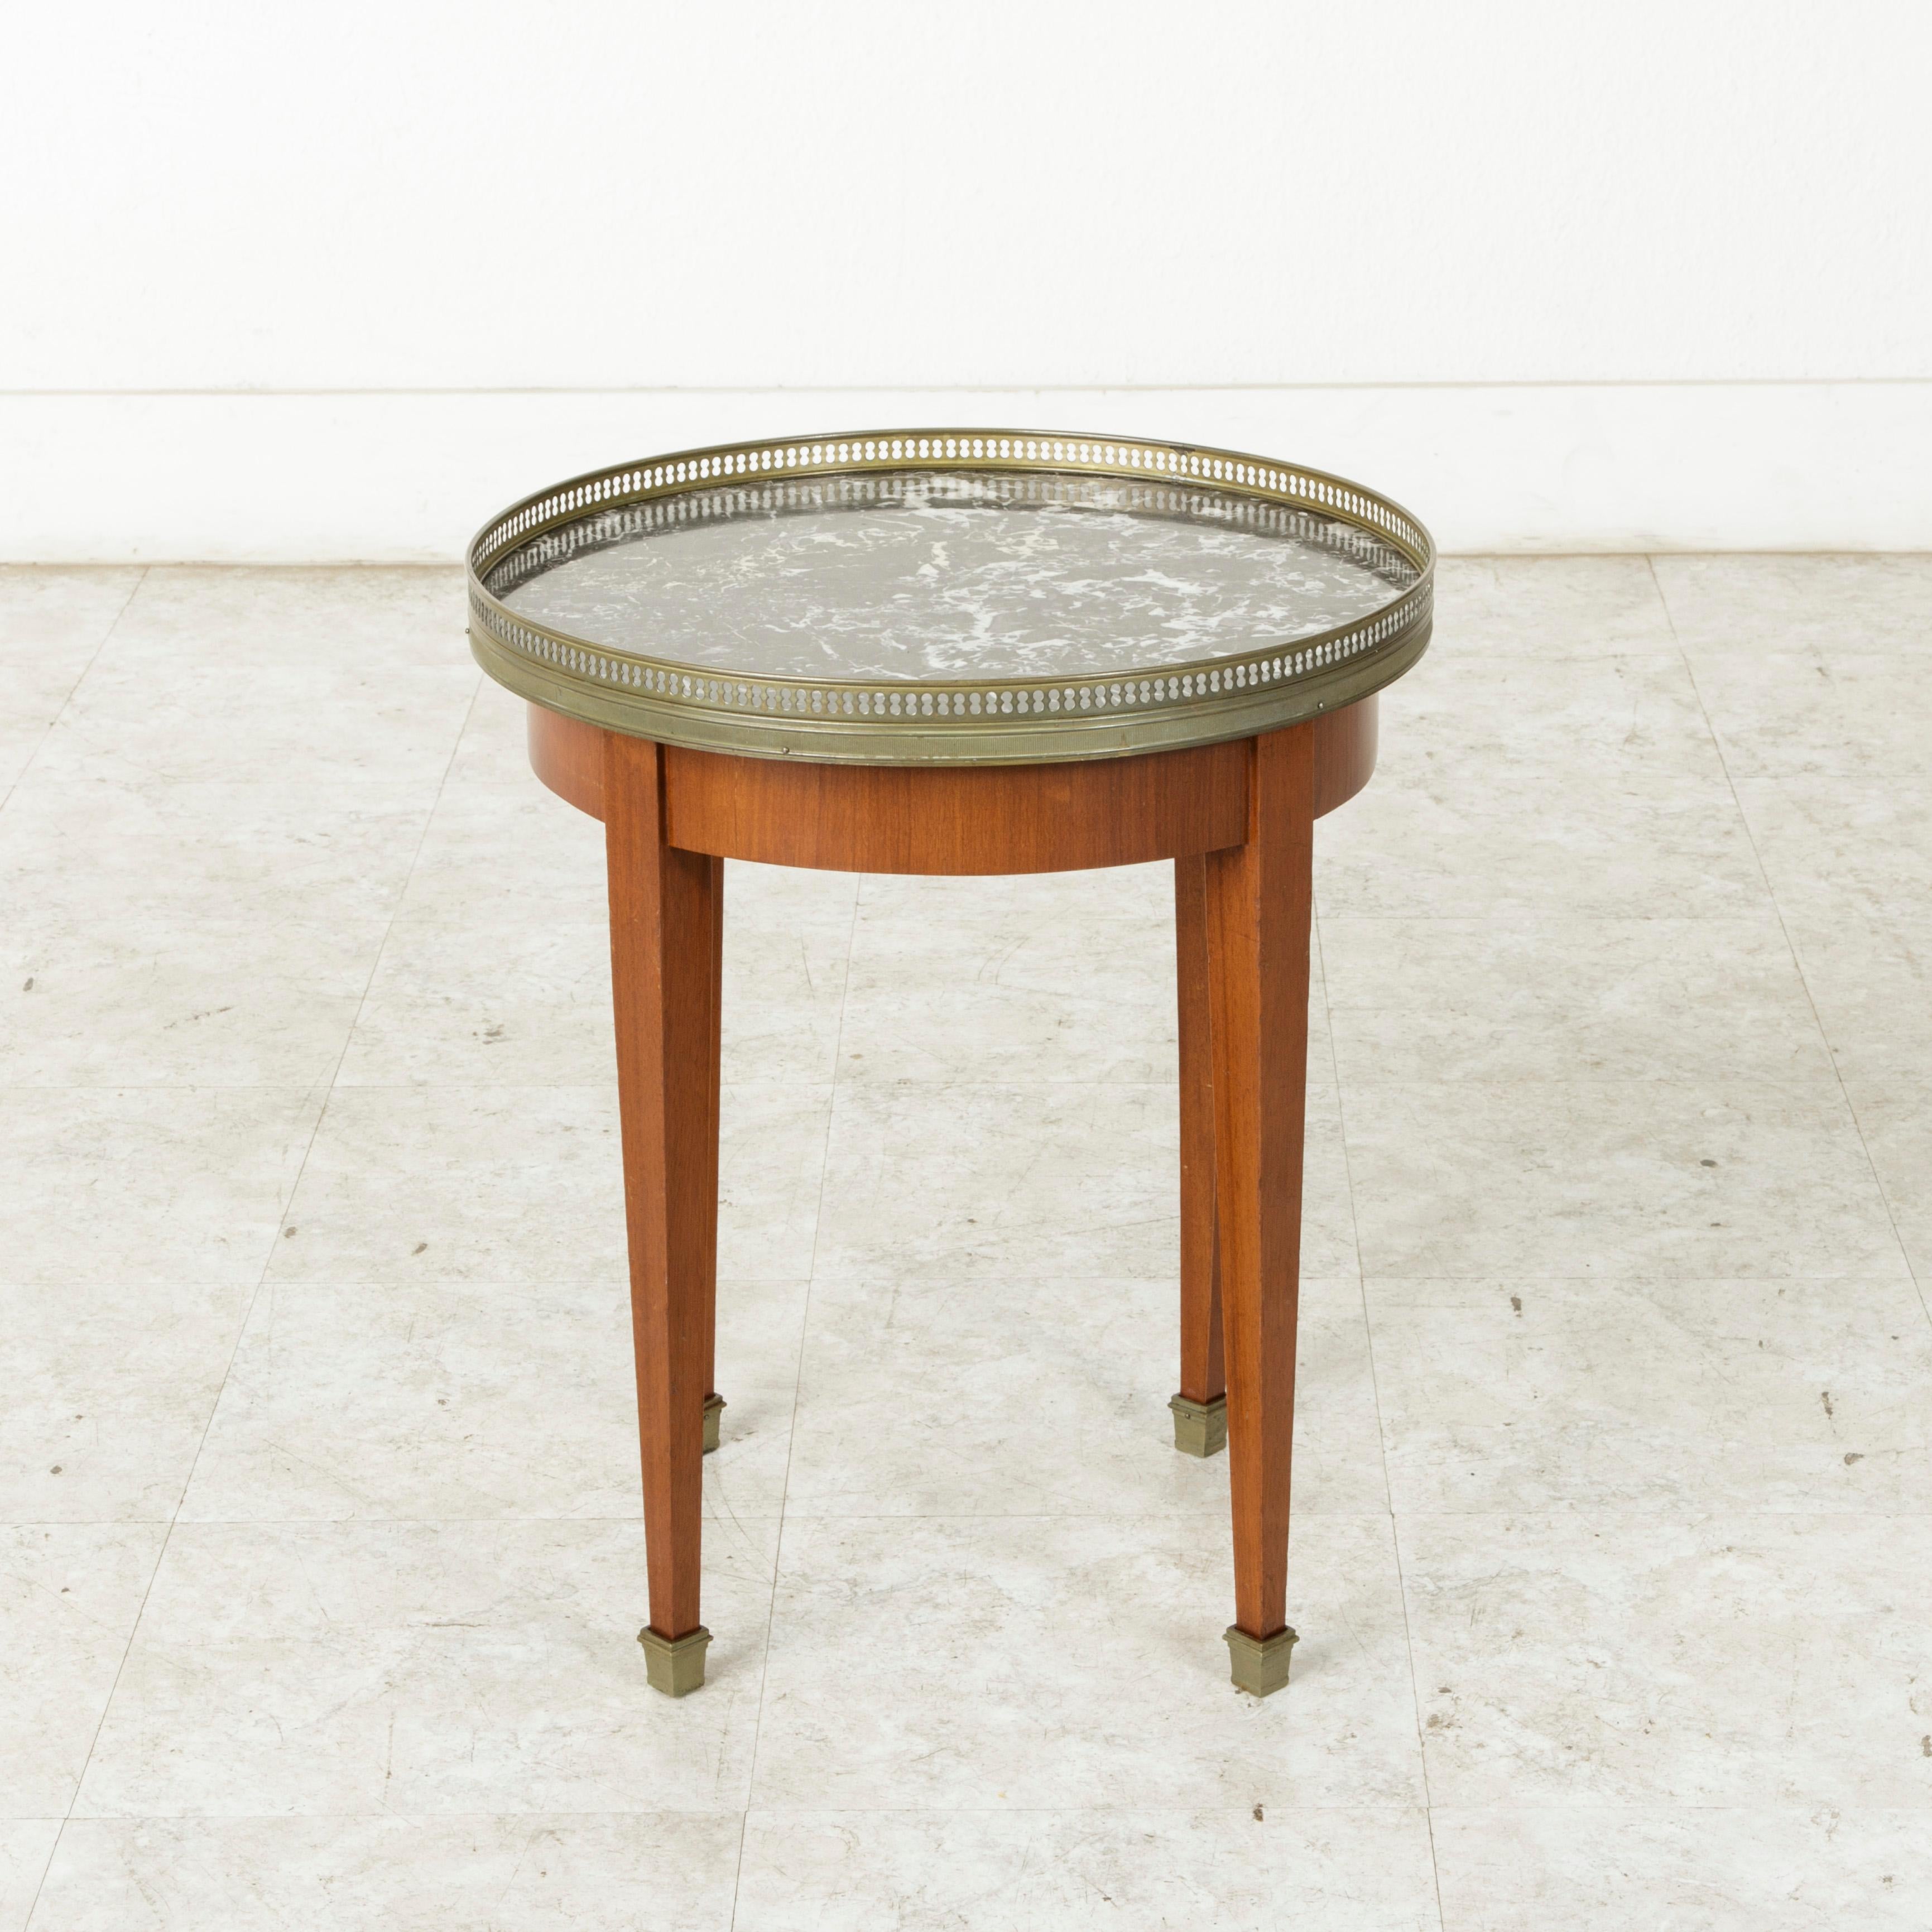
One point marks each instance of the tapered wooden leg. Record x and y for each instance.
(1258, 904)
(1200, 1408)
(663, 942)
(714, 1402)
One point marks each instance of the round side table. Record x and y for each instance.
(963, 651)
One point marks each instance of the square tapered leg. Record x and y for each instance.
(1258, 907)
(665, 927)
(1200, 1407)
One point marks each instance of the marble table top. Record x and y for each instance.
(969, 574)
(843, 590)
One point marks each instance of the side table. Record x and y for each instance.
(963, 651)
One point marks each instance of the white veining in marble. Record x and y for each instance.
(949, 575)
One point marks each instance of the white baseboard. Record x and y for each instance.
(406, 478)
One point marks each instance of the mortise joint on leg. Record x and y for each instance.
(1258, 1665)
(714, 1407)
(674, 1665)
(1200, 1428)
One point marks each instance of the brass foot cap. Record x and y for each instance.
(1200, 1428)
(674, 1665)
(714, 1407)
(1259, 1664)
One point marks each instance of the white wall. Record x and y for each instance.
(336, 283)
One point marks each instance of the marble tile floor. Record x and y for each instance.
(320, 1555)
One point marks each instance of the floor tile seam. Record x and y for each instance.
(15, 1086)
(1408, 1626)
(1797, 963)
(1638, 1278)
(1909, 930)
(1870, 1274)
(107, 1702)
(1510, 657)
(400, 1817)
(527, 1283)
(1382, 1434)
(1188, 1513)
(1213, 1512)
(1718, 1511)
(111, 1278)
(84, 1523)
(1807, 1067)
(504, 1521)
(771, 1085)
(1673, 1807)
(520, 1284)
(47, 730)
(858, 1084)
(1097, 1083)
(1834, 657)
(1233, 1807)
(1744, 1081)
(1240, 1809)
(946, 1083)
(523, 1285)
(598, 1087)
(1666, 1515)
(1531, 904)
(1348, 1183)
(798, 1385)
(167, 1530)
(990, 1272)
(1020, 1276)
(744, 1812)
(315, 1131)
(948, 1280)
(992, 1269)
(1651, 1509)
(1474, 921)
(1415, 1693)
(215, 1404)
(308, 1087)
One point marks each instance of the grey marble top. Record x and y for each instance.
(953, 574)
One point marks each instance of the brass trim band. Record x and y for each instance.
(990, 721)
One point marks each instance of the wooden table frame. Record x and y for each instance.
(1237, 820)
